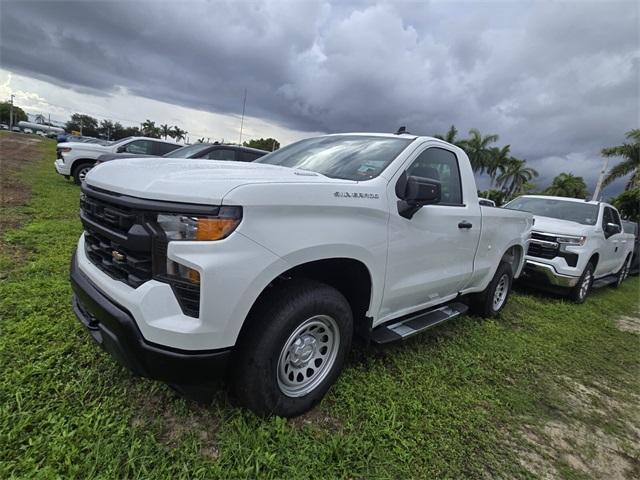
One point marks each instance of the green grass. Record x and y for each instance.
(449, 403)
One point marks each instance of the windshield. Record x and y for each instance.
(350, 157)
(190, 151)
(584, 213)
(122, 140)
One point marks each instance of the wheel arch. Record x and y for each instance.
(350, 276)
(78, 162)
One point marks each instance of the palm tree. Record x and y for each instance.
(497, 161)
(165, 131)
(149, 129)
(179, 134)
(451, 137)
(630, 152)
(568, 185)
(477, 148)
(515, 176)
(39, 118)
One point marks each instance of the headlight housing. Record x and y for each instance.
(200, 227)
(571, 240)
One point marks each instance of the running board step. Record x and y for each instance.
(603, 282)
(412, 325)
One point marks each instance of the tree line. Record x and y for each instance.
(510, 176)
(92, 127)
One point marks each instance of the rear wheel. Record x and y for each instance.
(493, 299)
(622, 275)
(80, 172)
(293, 350)
(579, 293)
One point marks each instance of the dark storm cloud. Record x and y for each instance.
(558, 81)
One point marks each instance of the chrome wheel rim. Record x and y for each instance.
(584, 288)
(83, 173)
(500, 294)
(308, 355)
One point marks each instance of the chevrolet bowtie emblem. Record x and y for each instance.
(117, 256)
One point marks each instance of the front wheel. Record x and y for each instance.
(493, 299)
(293, 349)
(579, 293)
(80, 172)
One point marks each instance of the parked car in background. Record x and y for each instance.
(208, 151)
(75, 159)
(4, 126)
(633, 228)
(485, 202)
(575, 245)
(187, 269)
(27, 130)
(16, 129)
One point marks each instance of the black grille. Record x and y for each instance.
(542, 251)
(126, 244)
(546, 248)
(116, 240)
(131, 267)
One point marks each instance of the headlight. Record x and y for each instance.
(569, 240)
(197, 227)
(65, 149)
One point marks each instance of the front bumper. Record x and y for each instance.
(61, 168)
(538, 271)
(116, 331)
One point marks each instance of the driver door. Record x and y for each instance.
(611, 260)
(430, 255)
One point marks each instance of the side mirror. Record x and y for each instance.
(611, 229)
(416, 192)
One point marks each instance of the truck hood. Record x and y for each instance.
(192, 180)
(562, 227)
(84, 146)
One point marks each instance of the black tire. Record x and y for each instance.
(484, 303)
(622, 275)
(577, 293)
(257, 380)
(80, 171)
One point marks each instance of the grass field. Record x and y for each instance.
(549, 389)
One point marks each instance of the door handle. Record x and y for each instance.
(465, 224)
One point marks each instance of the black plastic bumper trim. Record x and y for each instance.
(115, 330)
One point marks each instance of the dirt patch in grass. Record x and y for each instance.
(177, 420)
(595, 430)
(629, 324)
(17, 151)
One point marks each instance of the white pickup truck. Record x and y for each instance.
(75, 159)
(575, 244)
(266, 270)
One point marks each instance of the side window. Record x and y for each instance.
(221, 154)
(164, 148)
(616, 217)
(142, 147)
(441, 165)
(607, 217)
(250, 156)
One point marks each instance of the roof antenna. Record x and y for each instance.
(402, 130)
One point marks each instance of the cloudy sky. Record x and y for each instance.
(556, 80)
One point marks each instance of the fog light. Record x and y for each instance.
(183, 272)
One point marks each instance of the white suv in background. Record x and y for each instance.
(575, 244)
(76, 159)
